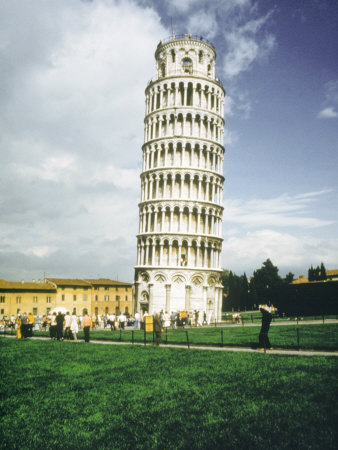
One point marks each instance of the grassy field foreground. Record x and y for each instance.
(66, 395)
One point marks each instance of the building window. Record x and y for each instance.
(117, 298)
(96, 298)
(126, 298)
(35, 311)
(84, 297)
(48, 299)
(106, 310)
(35, 299)
(2, 311)
(74, 297)
(48, 311)
(106, 298)
(173, 55)
(200, 57)
(18, 300)
(96, 288)
(2, 299)
(106, 288)
(63, 297)
(187, 65)
(116, 289)
(126, 289)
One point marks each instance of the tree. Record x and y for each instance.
(289, 277)
(322, 272)
(265, 283)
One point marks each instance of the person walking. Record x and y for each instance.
(74, 326)
(31, 323)
(137, 321)
(157, 329)
(68, 321)
(24, 325)
(86, 324)
(18, 325)
(264, 342)
(59, 326)
(52, 326)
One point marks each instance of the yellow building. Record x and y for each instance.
(110, 296)
(102, 296)
(37, 298)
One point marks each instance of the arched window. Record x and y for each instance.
(173, 55)
(187, 65)
(163, 70)
(200, 57)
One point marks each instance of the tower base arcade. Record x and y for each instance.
(180, 290)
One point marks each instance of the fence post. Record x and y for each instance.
(166, 335)
(120, 334)
(251, 318)
(132, 336)
(242, 321)
(222, 344)
(187, 338)
(323, 319)
(145, 337)
(298, 344)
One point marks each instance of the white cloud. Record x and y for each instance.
(283, 211)
(330, 103)
(203, 23)
(246, 45)
(245, 252)
(72, 129)
(328, 113)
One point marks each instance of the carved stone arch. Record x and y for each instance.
(212, 280)
(144, 297)
(144, 276)
(178, 278)
(197, 279)
(160, 277)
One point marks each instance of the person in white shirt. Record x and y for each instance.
(68, 321)
(137, 321)
(122, 320)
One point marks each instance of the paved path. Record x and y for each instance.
(195, 347)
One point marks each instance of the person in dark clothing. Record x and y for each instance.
(157, 329)
(264, 342)
(59, 326)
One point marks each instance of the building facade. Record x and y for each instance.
(102, 296)
(179, 241)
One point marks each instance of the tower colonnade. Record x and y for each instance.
(176, 185)
(182, 153)
(179, 239)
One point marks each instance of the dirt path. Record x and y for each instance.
(203, 348)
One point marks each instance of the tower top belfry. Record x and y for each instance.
(179, 241)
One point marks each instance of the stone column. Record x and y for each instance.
(205, 292)
(137, 297)
(167, 297)
(151, 298)
(187, 297)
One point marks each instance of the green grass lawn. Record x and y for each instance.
(311, 337)
(77, 395)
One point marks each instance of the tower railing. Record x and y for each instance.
(177, 37)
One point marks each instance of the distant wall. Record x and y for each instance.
(309, 299)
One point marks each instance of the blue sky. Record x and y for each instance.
(71, 117)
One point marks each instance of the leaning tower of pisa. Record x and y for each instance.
(179, 241)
